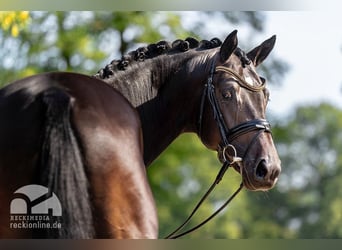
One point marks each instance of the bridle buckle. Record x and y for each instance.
(229, 154)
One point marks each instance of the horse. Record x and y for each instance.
(204, 87)
(82, 140)
(90, 140)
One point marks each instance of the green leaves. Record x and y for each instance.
(312, 170)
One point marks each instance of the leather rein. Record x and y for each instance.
(226, 150)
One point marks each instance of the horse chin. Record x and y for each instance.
(248, 184)
(251, 187)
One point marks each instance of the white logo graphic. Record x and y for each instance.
(38, 201)
(33, 206)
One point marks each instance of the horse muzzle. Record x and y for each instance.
(262, 175)
(259, 170)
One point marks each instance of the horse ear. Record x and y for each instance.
(228, 46)
(259, 54)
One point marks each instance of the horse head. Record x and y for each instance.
(236, 97)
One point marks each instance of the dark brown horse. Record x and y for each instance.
(208, 88)
(82, 140)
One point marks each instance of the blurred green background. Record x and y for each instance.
(307, 201)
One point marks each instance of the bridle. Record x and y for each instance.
(227, 152)
(229, 135)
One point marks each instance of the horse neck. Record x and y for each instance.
(166, 92)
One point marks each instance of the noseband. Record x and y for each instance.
(227, 152)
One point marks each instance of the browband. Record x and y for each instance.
(242, 82)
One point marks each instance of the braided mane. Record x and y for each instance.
(153, 50)
(145, 76)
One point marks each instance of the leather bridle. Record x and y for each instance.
(227, 152)
(229, 135)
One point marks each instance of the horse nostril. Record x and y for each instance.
(275, 174)
(261, 169)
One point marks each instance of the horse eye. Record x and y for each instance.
(227, 95)
(263, 80)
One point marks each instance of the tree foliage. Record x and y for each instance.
(12, 22)
(310, 145)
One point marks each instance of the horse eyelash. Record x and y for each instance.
(263, 80)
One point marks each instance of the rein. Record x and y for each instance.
(227, 135)
(204, 197)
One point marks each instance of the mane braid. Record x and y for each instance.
(154, 50)
(243, 57)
